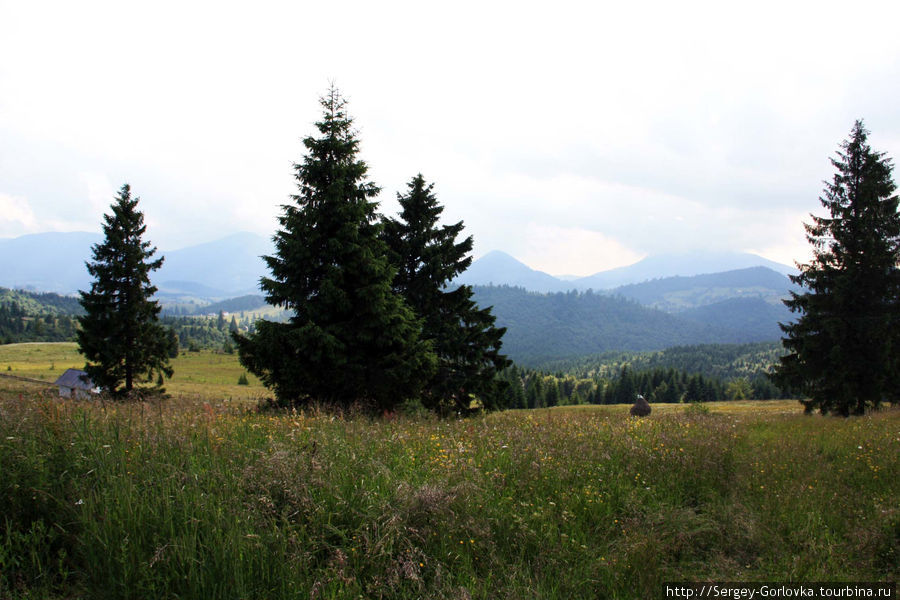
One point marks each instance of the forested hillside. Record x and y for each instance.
(681, 374)
(543, 327)
(755, 319)
(712, 360)
(675, 294)
(48, 317)
(30, 317)
(249, 302)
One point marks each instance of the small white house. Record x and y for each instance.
(74, 383)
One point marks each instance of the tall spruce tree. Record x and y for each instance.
(466, 342)
(844, 348)
(351, 337)
(120, 334)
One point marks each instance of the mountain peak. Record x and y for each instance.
(499, 268)
(500, 256)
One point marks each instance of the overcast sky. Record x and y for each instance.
(577, 136)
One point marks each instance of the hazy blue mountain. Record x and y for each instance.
(675, 265)
(55, 262)
(674, 294)
(499, 268)
(47, 262)
(228, 266)
(232, 266)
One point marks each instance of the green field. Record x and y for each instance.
(198, 497)
(204, 375)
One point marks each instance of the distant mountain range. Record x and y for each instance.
(232, 266)
(658, 302)
(47, 262)
(54, 262)
(499, 268)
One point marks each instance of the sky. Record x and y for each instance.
(576, 136)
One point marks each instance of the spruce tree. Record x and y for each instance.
(120, 334)
(844, 347)
(428, 258)
(350, 338)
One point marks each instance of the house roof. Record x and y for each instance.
(75, 379)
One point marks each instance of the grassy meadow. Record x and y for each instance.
(198, 375)
(198, 496)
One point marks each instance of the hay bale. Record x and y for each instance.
(640, 408)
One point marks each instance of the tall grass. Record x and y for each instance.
(186, 499)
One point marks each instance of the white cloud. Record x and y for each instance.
(16, 216)
(100, 192)
(582, 251)
(785, 239)
(644, 126)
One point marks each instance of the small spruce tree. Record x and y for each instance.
(428, 258)
(844, 348)
(120, 334)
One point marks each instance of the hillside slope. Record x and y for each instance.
(543, 327)
(676, 294)
(756, 319)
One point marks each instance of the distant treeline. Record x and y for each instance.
(718, 361)
(232, 305)
(529, 388)
(704, 372)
